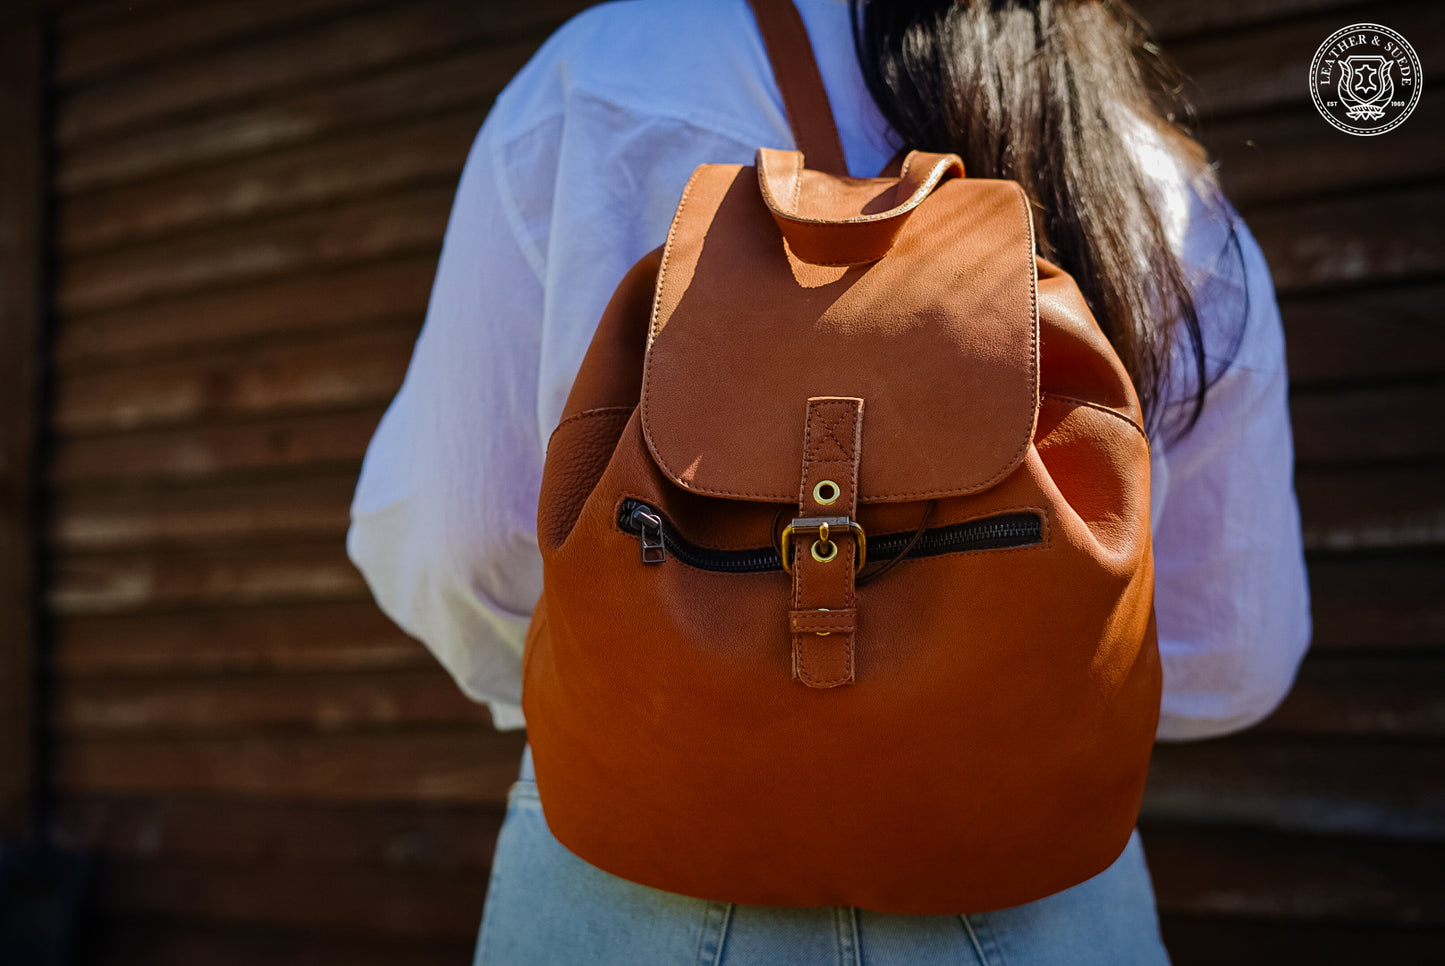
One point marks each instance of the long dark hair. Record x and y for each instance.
(1045, 92)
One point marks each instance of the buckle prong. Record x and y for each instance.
(822, 526)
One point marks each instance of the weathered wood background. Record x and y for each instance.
(248, 201)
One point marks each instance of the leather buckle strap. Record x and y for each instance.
(824, 616)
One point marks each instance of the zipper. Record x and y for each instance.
(658, 539)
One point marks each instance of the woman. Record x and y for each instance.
(575, 175)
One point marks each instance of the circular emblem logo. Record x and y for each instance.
(1366, 79)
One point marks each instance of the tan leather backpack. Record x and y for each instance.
(848, 585)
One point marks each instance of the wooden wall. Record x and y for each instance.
(1320, 836)
(248, 200)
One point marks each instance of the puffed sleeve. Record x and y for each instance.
(1231, 595)
(443, 521)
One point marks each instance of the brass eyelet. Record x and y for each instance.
(821, 558)
(826, 492)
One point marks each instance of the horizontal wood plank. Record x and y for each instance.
(112, 517)
(1373, 425)
(1208, 940)
(333, 372)
(292, 833)
(320, 703)
(1269, 65)
(1176, 18)
(370, 41)
(1378, 601)
(129, 940)
(347, 298)
(386, 902)
(475, 765)
(334, 441)
(1372, 334)
(137, 40)
(80, 16)
(326, 636)
(1292, 153)
(1363, 787)
(1264, 875)
(393, 225)
(102, 583)
(466, 80)
(431, 151)
(1374, 236)
(1403, 697)
(1347, 508)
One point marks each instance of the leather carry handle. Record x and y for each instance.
(834, 233)
(805, 100)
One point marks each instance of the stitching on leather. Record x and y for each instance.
(1028, 438)
(913, 201)
(806, 676)
(862, 261)
(807, 453)
(1033, 341)
(652, 319)
(1101, 408)
(830, 429)
(800, 652)
(589, 413)
(647, 361)
(828, 414)
(819, 412)
(801, 626)
(882, 497)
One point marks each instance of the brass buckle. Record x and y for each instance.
(823, 527)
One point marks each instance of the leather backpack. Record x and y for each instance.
(848, 592)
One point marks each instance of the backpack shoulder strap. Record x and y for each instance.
(804, 98)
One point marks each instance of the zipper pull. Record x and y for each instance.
(649, 527)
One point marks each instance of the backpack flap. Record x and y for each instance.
(935, 326)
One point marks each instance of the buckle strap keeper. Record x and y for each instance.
(823, 621)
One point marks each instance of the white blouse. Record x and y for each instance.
(574, 176)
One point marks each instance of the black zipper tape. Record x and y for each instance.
(658, 539)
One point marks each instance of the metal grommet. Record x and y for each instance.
(832, 551)
(823, 633)
(826, 492)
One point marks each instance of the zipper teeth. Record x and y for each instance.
(1015, 529)
(1017, 526)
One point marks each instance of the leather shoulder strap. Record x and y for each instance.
(804, 98)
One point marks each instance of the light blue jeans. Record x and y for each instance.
(547, 907)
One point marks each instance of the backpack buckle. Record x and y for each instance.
(823, 548)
